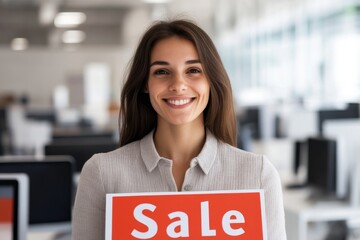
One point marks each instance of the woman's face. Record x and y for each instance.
(178, 88)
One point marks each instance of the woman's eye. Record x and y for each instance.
(161, 72)
(194, 70)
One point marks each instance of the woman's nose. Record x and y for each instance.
(178, 84)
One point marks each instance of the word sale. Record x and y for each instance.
(180, 227)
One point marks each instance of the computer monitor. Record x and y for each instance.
(2, 144)
(14, 196)
(260, 120)
(346, 132)
(51, 189)
(351, 111)
(81, 151)
(300, 155)
(251, 119)
(321, 166)
(3, 118)
(3, 129)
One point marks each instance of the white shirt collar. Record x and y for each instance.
(205, 159)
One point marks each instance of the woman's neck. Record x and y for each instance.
(179, 143)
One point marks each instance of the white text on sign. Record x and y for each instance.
(229, 218)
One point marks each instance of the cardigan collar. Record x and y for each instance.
(205, 159)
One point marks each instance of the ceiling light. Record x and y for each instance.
(19, 44)
(73, 36)
(69, 19)
(156, 1)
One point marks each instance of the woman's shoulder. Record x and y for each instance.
(121, 154)
(237, 153)
(234, 155)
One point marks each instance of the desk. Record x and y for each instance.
(299, 211)
(47, 236)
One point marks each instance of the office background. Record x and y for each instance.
(293, 64)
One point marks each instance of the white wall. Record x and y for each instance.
(36, 72)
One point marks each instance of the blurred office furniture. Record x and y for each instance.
(61, 117)
(270, 121)
(61, 97)
(299, 156)
(67, 117)
(332, 189)
(318, 201)
(80, 148)
(51, 189)
(47, 115)
(279, 152)
(298, 164)
(309, 204)
(14, 195)
(339, 149)
(324, 169)
(300, 212)
(300, 124)
(2, 144)
(353, 226)
(260, 120)
(346, 133)
(355, 187)
(250, 119)
(3, 123)
(24, 99)
(244, 138)
(3, 129)
(27, 136)
(321, 166)
(82, 133)
(3, 138)
(316, 160)
(352, 110)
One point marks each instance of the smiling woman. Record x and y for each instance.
(177, 133)
(139, 116)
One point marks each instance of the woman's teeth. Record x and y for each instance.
(179, 102)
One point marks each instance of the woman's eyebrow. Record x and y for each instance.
(166, 63)
(159, 63)
(193, 61)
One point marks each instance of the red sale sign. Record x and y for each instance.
(190, 215)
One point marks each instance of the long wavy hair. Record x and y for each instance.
(137, 116)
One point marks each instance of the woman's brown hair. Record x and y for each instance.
(138, 118)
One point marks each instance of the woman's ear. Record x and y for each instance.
(146, 90)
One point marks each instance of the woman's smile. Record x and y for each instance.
(179, 102)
